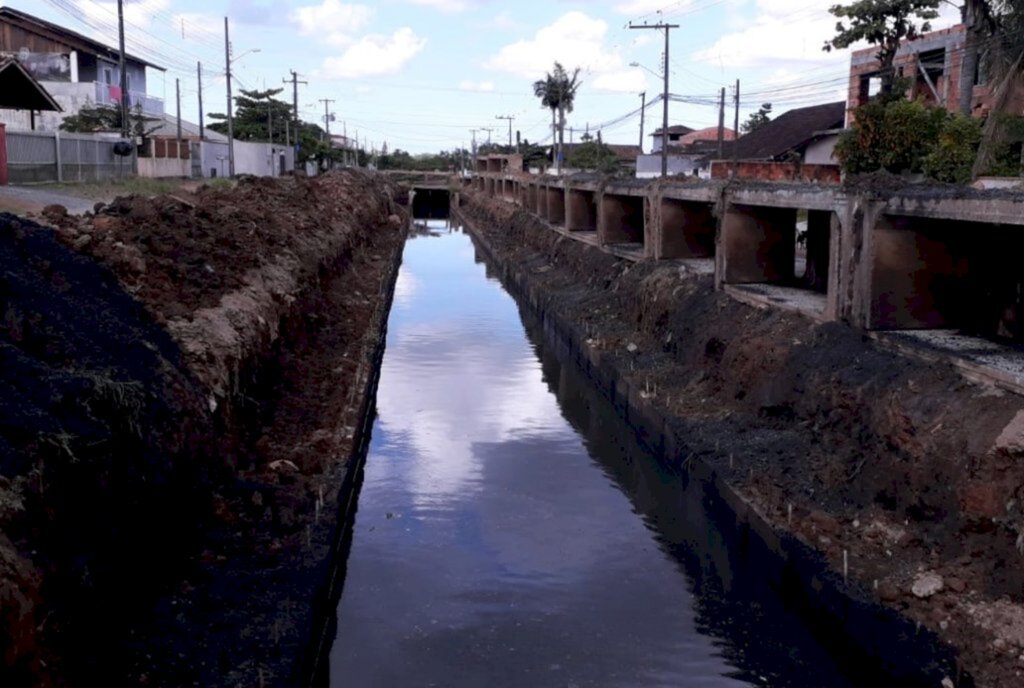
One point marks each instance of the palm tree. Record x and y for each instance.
(557, 91)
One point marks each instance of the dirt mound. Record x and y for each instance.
(144, 351)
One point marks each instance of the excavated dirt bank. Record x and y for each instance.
(913, 472)
(184, 390)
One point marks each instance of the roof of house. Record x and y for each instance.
(679, 129)
(167, 125)
(790, 131)
(73, 39)
(708, 134)
(20, 91)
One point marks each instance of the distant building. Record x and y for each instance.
(690, 152)
(675, 135)
(796, 145)
(76, 70)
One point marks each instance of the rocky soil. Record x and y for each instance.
(183, 386)
(912, 471)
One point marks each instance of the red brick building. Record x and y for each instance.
(933, 61)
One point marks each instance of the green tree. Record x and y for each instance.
(757, 119)
(1004, 66)
(593, 155)
(557, 91)
(953, 151)
(885, 23)
(89, 120)
(894, 135)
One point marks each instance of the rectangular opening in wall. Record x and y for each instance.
(556, 205)
(622, 220)
(687, 229)
(581, 210)
(953, 288)
(779, 256)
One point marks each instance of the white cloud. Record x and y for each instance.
(575, 40)
(503, 20)
(375, 55)
(642, 7)
(451, 6)
(482, 86)
(621, 81)
(333, 21)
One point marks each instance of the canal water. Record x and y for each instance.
(511, 532)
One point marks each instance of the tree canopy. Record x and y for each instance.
(884, 23)
(757, 119)
(89, 120)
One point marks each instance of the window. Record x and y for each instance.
(108, 75)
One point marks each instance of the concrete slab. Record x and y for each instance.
(803, 301)
(978, 359)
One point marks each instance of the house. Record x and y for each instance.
(796, 145)
(675, 134)
(690, 153)
(933, 63)
(76, 70)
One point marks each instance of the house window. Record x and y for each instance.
(108, 75)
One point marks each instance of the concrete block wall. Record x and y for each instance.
(911, 259)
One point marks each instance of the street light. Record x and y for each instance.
(228, 60)
(664, 119)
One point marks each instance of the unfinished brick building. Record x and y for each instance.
(933, 61)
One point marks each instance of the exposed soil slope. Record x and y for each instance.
(182, 382)
(916, 473)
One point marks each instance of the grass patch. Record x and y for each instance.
(105, 191)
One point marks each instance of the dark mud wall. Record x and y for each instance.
(171, 367)
(849, 447)
(102, 453)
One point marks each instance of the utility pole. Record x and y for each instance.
(735, 145)
(177, 99)
(664, 116)
(199, 80)
(721, 125)
(510, 118)
(295, 100)
(231, 118)
(327, 117)
(473, 133)
(643, 110)
(124, 73)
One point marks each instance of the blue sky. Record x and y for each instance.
(419, 74)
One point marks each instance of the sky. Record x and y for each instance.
(421, 74)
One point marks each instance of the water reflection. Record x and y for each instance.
(495, 544)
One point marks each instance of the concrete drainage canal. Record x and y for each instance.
(511, 531)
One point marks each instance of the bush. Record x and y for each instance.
(895, 136)
(952, 155)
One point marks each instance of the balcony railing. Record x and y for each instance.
(107, 94)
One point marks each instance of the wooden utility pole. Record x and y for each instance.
(295, 100)
(736, 123)
(510, 118)
(721, 126)
(667, 28)
(199, 79)
(643, 109)
(122, 68)
(177, 99)
(327, 117)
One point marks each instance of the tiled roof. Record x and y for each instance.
(789, 131)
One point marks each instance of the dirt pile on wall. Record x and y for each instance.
(914, 472)
(142, 354)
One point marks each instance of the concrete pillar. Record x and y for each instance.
(686, 230)
(542, 202)
(756, 244)
(4, 178)
(556, 205)
(581, 210)
(531, 198)
(621, 220)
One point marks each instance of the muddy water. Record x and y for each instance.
(511, 532)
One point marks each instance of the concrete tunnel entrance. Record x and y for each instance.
(687, 229)
(763, 245)
(431, 204)
(948, 274)
(581, 210)
(622, 219)
(555, 211)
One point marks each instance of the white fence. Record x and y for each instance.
(53, 156)
(260, 159)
